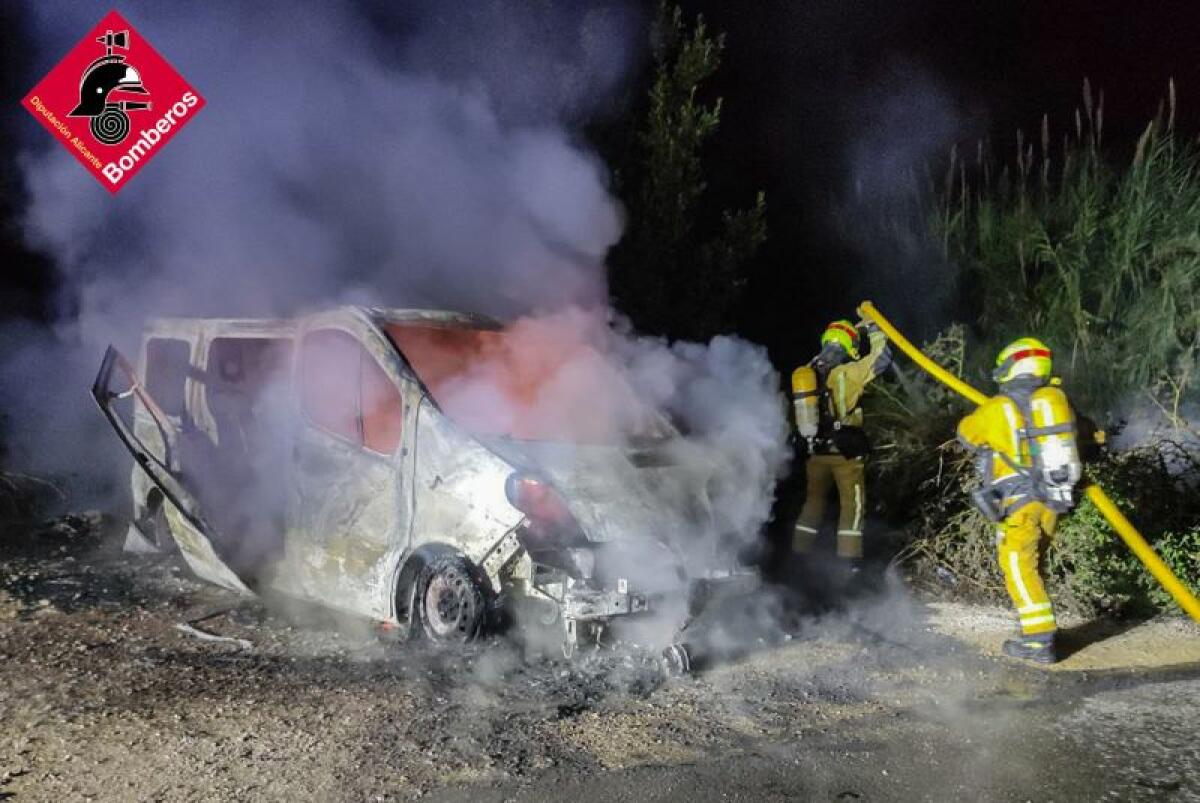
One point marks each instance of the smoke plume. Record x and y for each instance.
(910, 120)
(420, 156)
(329, 166)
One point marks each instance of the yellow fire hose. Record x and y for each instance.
(1145, 553)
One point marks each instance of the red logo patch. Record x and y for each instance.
(113, 102)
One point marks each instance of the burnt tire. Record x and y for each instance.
(449, 604)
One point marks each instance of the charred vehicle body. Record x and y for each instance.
(333, 458)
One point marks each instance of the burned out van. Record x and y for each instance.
(394, 464)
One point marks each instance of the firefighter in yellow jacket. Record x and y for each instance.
(826, 396)
(1024, 440)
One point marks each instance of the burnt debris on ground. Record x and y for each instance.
(97, 685)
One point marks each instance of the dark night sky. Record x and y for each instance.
(804, 82)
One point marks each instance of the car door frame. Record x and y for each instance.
(189, 527)
(376, 598)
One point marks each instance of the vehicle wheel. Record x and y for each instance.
(449, 604)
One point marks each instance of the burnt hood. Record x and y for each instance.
(658, 491)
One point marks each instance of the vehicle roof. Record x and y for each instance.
(182, 325)
(402, 314)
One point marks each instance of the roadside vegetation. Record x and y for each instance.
(681, 266)
(1098, 254)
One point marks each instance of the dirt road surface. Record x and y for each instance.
(103, 698)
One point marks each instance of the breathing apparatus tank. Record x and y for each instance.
(1050, 436)
(806, 401)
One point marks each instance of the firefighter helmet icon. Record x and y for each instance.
(109, 74)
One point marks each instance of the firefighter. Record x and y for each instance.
(826, 395)
(1024, 441)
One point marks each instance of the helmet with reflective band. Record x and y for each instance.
(844, 334)
(1025, 357)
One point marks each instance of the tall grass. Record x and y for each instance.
(1102, 262)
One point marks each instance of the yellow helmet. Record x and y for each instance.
(844, 334)
(1025, 357)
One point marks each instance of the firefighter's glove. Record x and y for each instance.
(865, 328)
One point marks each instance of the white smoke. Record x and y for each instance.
(429, 156)
(906, 121)
(727, 394)
(319, 172)
(323, 170)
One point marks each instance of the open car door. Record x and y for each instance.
(117, 390)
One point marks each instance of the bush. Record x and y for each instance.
(923, 481)
(1088, 568)
(1154, 485)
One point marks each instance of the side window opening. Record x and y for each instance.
(344, 391)
(167, 363)
(329, 382)
(382, 408)
(237, 475)
(243, 382)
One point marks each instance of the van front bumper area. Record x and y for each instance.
(574, 610)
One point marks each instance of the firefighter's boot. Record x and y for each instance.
(1039, 648)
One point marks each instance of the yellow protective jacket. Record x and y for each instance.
(996, 425)
(847, 382)
(1025, 450)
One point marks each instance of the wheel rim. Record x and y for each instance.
(447, 604)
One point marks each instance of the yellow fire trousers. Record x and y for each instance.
(1021, 539)
(824, 470)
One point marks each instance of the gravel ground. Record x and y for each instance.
(103, 698)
